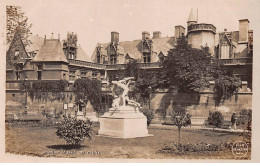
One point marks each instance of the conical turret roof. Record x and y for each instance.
(192, 17)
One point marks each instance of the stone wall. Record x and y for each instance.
(198, 105)
(162, 103)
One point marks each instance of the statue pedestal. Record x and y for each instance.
(80, 115)
(123, 122)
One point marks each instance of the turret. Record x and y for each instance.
(200, 34)
(193, 18)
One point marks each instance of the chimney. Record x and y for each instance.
(243, 30)
(179, 31)
(58, 36)
(115, 38)
(156, 34)
(44, 38)
(145, 35)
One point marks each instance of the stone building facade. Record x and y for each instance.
(53, 59)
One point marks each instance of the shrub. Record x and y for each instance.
(245, 118)
(73, 130)
(149, 115)
(215, 118)
(195, 148)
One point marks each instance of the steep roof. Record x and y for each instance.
(81, 55)
(36, 43)
(51, 51)
(192, 16)
(133, 48)
(240, 50)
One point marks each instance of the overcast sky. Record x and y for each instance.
(94, 20)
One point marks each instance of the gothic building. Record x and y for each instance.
(53, 59)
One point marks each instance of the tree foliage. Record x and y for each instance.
(132, 69)
(215, 118)
(44, 89)
(245, 118)
(180, 118)
(189, 70)
(73, 130)
(16, 20)
(149, 115)
(89, 90)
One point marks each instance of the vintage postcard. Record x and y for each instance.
(95, 81)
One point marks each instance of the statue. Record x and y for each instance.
(124, 84)
(123, 120)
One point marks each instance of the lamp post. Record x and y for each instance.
(150, 90)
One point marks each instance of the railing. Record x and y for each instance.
(112, 67)
(115, 66)
(86, 64)
(149, 65)
(238, 61)
(196, 27)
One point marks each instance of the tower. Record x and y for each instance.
(200, 34)
(193, 18)
(70, 45)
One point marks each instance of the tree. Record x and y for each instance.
(180, 119)
(216, 119)
(132, 69)
(16, 20)
(89, 90)
(188, 69)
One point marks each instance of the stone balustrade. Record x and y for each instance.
(202, 26)
(238, 61)
(111, 67)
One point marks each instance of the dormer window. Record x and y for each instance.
(147, 57)
(113, 59)
(98, 58)
(16, 53)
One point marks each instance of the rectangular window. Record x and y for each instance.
(147, 57)
(94, 75)
(98, 58)
(113, 59)
(83, 75)
(39, 67)
(225, 52)
(72, 75)
(39, 75)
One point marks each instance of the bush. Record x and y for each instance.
(191, 148)
(215, 118)
(245, 118)
(149, 115)
(74, 131)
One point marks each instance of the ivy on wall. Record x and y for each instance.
(43, 89)
(89, 90)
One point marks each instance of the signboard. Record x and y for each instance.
(65, 106)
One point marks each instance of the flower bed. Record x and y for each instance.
(184, 149)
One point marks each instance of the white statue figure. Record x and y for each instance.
(116, 101)
(124, 84)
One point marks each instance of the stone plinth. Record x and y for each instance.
(80, 115)
(124, 122)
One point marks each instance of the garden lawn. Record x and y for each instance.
(42, 141)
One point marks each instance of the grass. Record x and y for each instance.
(42, 141)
